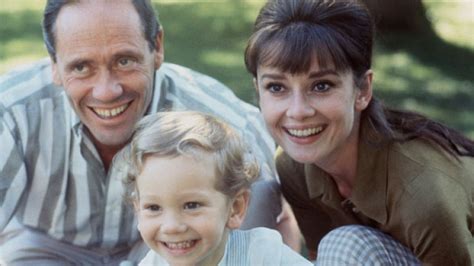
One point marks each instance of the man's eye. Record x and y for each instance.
(80, 69)
(125, 62)
(191, 205)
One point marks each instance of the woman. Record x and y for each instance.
(345, 159)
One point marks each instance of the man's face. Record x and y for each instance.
(106, 67)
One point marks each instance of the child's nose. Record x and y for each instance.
(173, 224)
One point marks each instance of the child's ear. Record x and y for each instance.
(136, 208)
(136, 204)
(238, 209)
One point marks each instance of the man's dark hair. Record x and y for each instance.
(148, 19)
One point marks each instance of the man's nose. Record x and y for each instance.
(107, 87)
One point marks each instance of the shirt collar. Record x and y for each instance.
(369, 194)
(370, 189)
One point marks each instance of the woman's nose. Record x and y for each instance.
(300, 107)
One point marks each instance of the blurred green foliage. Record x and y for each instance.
(429, 73)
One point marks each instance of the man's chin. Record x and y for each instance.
(111, 141)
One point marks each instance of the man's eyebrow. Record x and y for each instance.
(129, 52)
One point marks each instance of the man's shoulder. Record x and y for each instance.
(27, 83)
(25, 73)
(190, 89)
(185, 74)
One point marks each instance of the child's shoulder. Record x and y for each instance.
(152, 258)
(260, 246)
(259, 234)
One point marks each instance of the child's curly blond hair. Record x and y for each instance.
(189, 133)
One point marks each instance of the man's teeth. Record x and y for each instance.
(108, 113)
(180, 245)
(305, 132)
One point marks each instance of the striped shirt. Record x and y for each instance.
(51, 175)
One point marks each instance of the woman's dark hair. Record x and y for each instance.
(148, 19)
(289, 34)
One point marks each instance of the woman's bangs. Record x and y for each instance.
(295, 48)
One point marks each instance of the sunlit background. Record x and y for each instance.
(431, 74)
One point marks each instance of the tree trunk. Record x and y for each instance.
(398, 15)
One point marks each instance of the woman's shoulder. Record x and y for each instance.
(285, 163)
(419, 159)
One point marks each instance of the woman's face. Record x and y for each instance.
(312, 115)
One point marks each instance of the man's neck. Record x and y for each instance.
(107, 154)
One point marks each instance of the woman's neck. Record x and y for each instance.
(342, 166)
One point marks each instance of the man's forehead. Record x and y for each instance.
(99, 5)
(97, 13)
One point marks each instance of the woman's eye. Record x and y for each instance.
(275, 88)
(191, 205)
(322, 86)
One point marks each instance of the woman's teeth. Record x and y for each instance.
(305, 132)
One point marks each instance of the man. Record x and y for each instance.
(60, 196)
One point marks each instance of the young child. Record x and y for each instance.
(189, 178)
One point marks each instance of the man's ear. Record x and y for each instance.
(238, 209)
(364, 92)
(159, 49)
(55, 72)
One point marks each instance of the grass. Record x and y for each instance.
(429, 73)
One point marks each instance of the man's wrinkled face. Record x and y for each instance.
(106, 67)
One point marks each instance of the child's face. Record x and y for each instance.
(181, 215)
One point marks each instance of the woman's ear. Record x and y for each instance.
(255, 85)
(238, 209)
(364, 92)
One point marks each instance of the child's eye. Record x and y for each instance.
(152, 207)
(191, 205)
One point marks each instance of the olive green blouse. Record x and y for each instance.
(413, 191)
